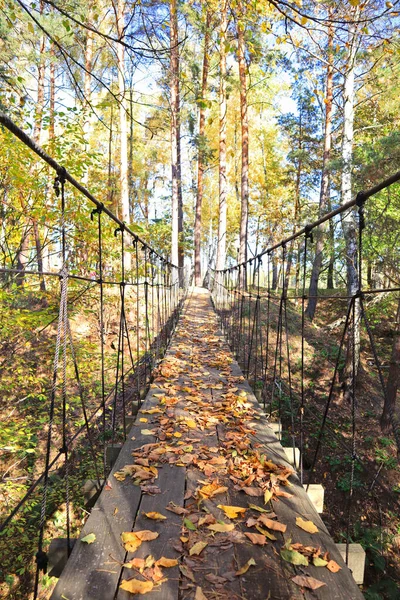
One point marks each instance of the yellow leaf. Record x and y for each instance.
(147, 432)
(143, 420)
(199, 594)
(221, 527)
(306, 525)
(167, 562)
(267, 496)
(197, 548)
(177, 434)
(134, 586)
(245, 568)
(190, 423)
(232, 512)
(156, 516)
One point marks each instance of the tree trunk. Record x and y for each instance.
(221, 242)
(244, 188)
(87, 85)
(393, 381)
(124, 191)
(201, 159)
(348, 220)
(325, 182)
(176, 252)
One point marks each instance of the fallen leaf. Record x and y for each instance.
(134, 586)
(200, 594)
(221, 527)
(251, 562)
(333, 566)
(146, 535)
(189, 525)
(256, 538)
(156, 516)
(136, 563)
(319, 562)
(167, 562)
(187, 572)
(232, 512)
(150, 489)
(197, 548)
(306, 525)
(308, 582)
(274, 525)
(190, 423)
(267, 496)
(148, 431)
(89, 539)
(178, 510)
(143, 420)
(294, 557)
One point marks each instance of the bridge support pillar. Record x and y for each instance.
(316, 492)
(58, 555)
(356, 560)
(91, 491)
(277, 429)
(112, 453)
(293, 456)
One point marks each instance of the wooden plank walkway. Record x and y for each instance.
(200, 443)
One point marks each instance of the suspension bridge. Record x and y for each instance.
(194, 446)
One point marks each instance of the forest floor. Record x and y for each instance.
(374, 520)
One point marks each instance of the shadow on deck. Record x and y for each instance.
(201, 445)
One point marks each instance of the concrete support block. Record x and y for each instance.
(112, 453)
(356, 562)
(276, 428)
(316, 493)
(58, 555)
(293, 456)
(91, 491)
(129, 421)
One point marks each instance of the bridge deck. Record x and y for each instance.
(201, 442)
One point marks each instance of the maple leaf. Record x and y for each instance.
(232, 512)
(306, 525)
(135, 586)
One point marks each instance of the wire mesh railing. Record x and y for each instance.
(314, 323)
(88, 309)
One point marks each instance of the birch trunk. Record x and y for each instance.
(244, 188)
(348, 220)
(221, 241)
(201, 161)
(175, 138)
(124, 191)
(325, 183)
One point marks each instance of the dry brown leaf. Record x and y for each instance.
(135, 586)
(274, 525)
(146, 535)
(333, 566)
(306, 525)
(308, 582)
(256, 538)
(221, 527)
